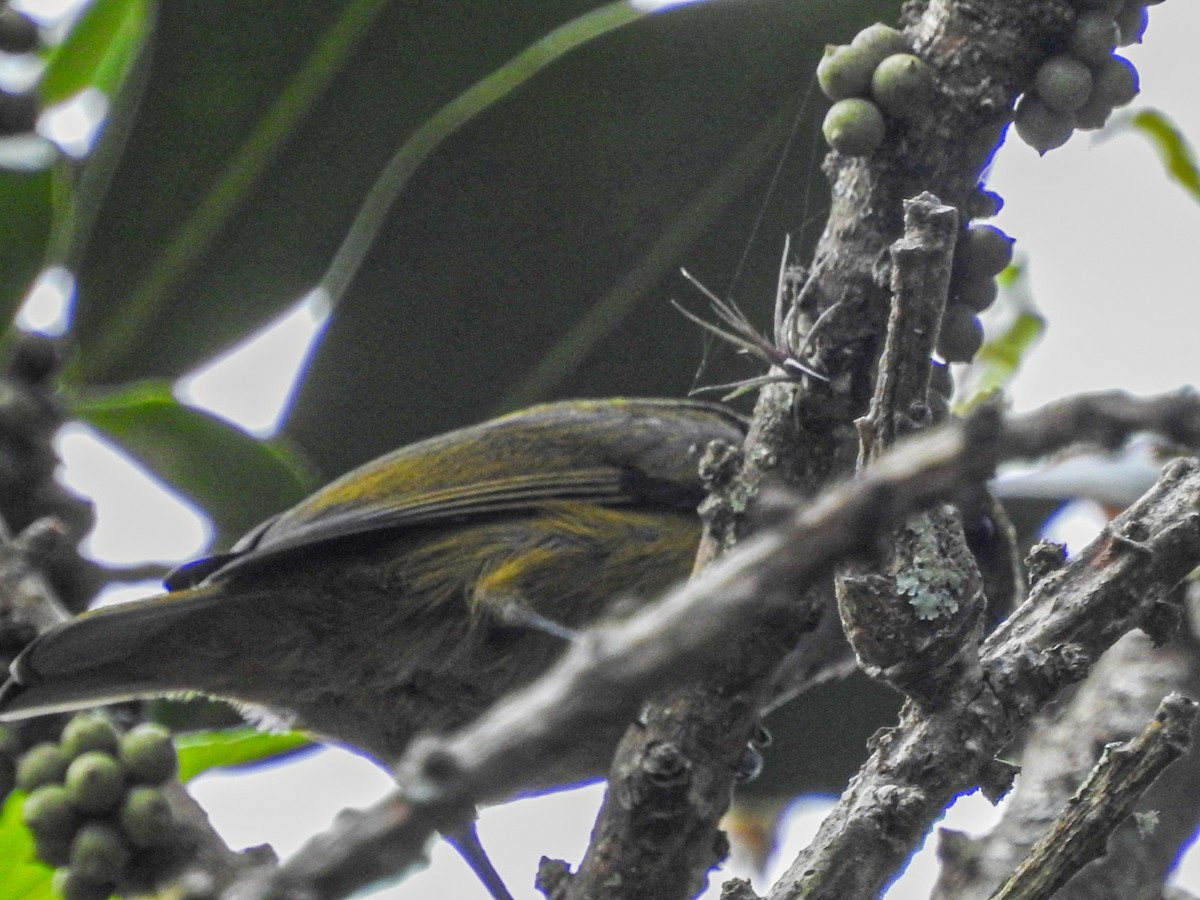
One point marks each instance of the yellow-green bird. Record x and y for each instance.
(397, 599)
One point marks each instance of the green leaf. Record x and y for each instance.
(536, 200)
(26, 214)
(480, 96)
(98, 51)
(236, 478)
(204, 750)
(1173, 148)
(22, 876)
(221, 111)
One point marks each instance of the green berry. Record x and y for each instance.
(43, 763)
(49, 813)
(1041, 127)
(983, 204)
(880, 41)
(854, 126)
(902, 85)
(1131, 23)
(961, 335)
(53, 851)
(89, 732)
(983, 252)
(149, 754)
(1116, 81)
(146, 817)
(1094, 38)
(96, 782)
(1093, 114)
(977, 294)
(844, 71)
(70, 885)
(99, 853)
(1063, 83)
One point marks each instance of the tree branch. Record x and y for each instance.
(1117, 583)
(1122, 775)
(614, 666)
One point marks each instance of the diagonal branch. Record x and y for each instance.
(611, 670)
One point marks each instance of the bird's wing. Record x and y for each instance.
(605, 452)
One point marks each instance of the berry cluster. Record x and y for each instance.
(982, 253)
(1081, 84)
(875, 74)
(48, 520)
(18, 35)
(95, 803)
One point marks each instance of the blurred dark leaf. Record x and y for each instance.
(236, 478)
(534, 255)
(533, 252)
(26, 214)
(819, 739)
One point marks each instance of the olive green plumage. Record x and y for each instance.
(385, 604)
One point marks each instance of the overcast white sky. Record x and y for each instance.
(1111, 246)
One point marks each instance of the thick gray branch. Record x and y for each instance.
(1123, 774)
(1071, 617)
(615, 666)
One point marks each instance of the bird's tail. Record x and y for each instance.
(106, 656)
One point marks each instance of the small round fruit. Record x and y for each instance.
(961, 335)
(49, 813)
(1041, 127)
(70, 885)
(1063, 83)
(1094, 38)
(43, 763)
(902, 85)
(977, 294)
(149, 754)
(53, 851)
(854, 126)
(146, 817)
(1115, 81)
(1131, 23)
(984, 204)
(983, 252)
(88, 732)
(96, 782)
(844, 71)
(99, 853)
(880, 41)
(1093, 114)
